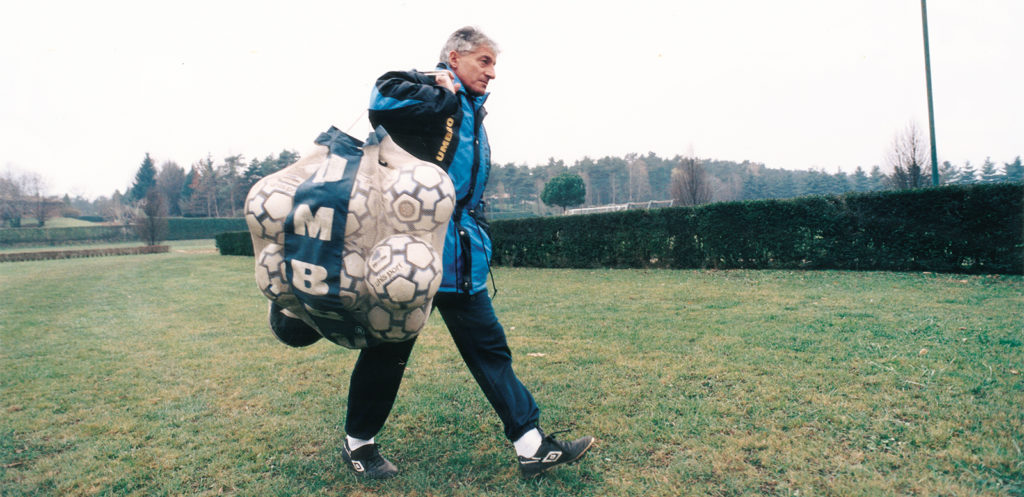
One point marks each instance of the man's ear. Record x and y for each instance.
(453, 59)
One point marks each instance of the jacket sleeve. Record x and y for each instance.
(411, 95)
(413, 110)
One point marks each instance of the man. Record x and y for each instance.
(437, 117)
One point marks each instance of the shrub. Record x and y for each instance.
(975, 229)
(177, 229)
(234, 243)
(79, 253)
(58, 236)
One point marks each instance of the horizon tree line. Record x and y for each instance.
(209, 189)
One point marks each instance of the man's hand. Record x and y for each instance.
(445, 79)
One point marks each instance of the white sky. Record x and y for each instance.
(88, 87)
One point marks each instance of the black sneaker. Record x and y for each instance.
(367, 462)
(553, 452)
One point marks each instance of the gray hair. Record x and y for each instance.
(466, 40)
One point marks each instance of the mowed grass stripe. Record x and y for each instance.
(157, 375)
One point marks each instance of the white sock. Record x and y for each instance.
(529, 443)
(355, 443)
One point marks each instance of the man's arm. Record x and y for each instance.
(417, 112)
(411, 95)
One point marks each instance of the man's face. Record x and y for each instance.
(475, 69)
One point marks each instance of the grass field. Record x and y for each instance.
(156, 375)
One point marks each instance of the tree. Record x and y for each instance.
(22, 195)
(639, 182)
(116, 209)
(729, 189)
(145, 178)
(967, 176)
(565, 190)
(860, 182)
(232, 181)
(816, 183)
(150, 222)
(12, 194)
(285, 159)
(1014, 171)
(989, 173)
(39, 206)
(947, 173)
(877, 179)
(690, 183)
(909, 159)
(170, 182)
(607, 174)
(202, 190)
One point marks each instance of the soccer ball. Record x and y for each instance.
(419, 198)
(361, 222)
(397, 325)
(267, 207)
(271, 277)
(352, 283)
(403, 272)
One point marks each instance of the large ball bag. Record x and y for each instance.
(348, 241)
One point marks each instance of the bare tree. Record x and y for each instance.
(12, 194)
(208, 186)
(909, 159)
(232, 181)
(22, 194)
(115, 209)
(40, 207)
(729, 189)
(639, 181)
(150, 222)
(690, 183)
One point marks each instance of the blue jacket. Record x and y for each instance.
(446, 129)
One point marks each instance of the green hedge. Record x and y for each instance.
(197, 228)
(177, 229)
(974, 229)
(234, 243)
(60, 236)
(49, 255)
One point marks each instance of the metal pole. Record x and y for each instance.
(931, 109)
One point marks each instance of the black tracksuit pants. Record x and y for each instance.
(480, 340)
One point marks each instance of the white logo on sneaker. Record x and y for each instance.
(358, 466)
(552, 456)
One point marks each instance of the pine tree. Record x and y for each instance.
(948, 173)
(878, 179)
(860, 182)
(145, 178)
(967, 175)
(989, 173)
(1014, 171)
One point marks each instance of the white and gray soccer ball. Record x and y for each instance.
(419, 198)
(403, 271)
(361, 222)
(266, 210)
(352, 282)
(397, 325)
(271, 277)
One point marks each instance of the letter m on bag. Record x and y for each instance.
(314, 225)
